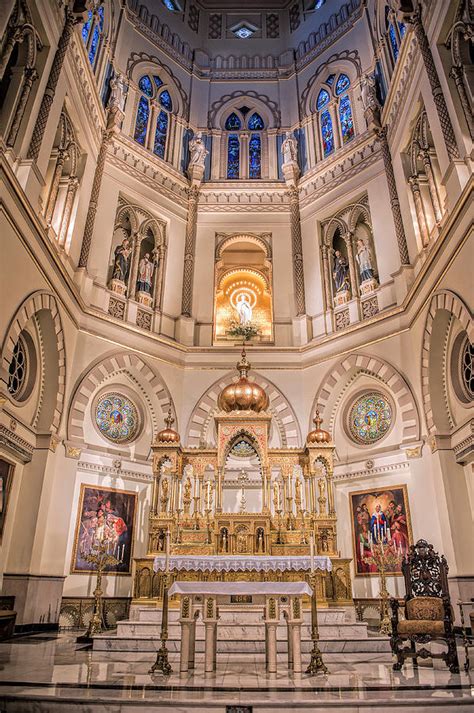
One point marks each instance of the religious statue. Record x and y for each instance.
(197, 150)
(341, 272)
(187, 489)
(122, 261)
(369, 92)
(118, 92)
(241, 541)
(276, 496)
(364, 260)
(224, 540)
(161, 541)
(260, 541)
(298, 494)
(322, 498)
(164, 495)
(244, 308)
(289, 148)
(145, 274)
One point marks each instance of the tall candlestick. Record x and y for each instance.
(311, 551)
(167, 553)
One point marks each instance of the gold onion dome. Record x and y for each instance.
(168, 434)
(243, 395)
(319, 435)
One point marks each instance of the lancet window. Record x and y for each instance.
(92, 34)
(334, 110)
(153, 115)
(244, 144)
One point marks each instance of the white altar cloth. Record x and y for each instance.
(227, 588)
(240, 563)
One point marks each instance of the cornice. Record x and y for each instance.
(369, 472)
(115, 472)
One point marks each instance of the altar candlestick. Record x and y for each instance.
(311, 551)
(180, 485)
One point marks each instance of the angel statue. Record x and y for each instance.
(289, 148)
(198, 151)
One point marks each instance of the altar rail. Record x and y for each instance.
(332, 588)
(76, 612)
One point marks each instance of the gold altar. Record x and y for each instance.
(195, 500)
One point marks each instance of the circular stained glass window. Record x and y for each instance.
(370, 417)
(467, 368)
(17, 369)
(117, 418)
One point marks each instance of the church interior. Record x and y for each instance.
(237, 355)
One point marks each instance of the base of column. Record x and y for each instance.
(403, 280)
(85, 283)
(302, 332)
(185, 330)
(454, 180)
(37, 599)
(31, 180)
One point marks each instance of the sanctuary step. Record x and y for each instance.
(241, 630)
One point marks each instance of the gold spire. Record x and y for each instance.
(319, 435)
(168, 434)
(243, 395)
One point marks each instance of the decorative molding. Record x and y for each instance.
(108, 470)
(270, 105)
(15, 445)
(244, 198)
(370, 473)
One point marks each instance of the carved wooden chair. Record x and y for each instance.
(428, 613)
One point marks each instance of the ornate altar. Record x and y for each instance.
(244, 498)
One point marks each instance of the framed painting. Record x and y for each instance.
(6, 477)
(104, 513)
(379, 515)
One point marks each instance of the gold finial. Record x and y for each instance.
(317, 420)
(244, 365)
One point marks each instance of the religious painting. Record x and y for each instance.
(381, 515)
(6, 476)
(105, 515)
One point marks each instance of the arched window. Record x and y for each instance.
(395, 32)
(92, 33)
(248, 165)
(154, 101)
(333, 105)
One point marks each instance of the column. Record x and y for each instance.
(330, 487)
(394, 202)
(218, 502)
(437, 92)
(295, 633)
(244, 155)
(185, 646)
(347, 237)
(326, 277)
(29, 76)
(157, 287)
(271, 641)
(53, 193)
(457, 74)
(210, 635)
(96, 184)
(72, 186)
(189, 252)
(48, 97)
(420, 213)
(132, 283)
(297, 251)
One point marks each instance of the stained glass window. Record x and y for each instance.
(327, 133)
(402, 28)
(342, 84)
(101, 17)
(141, 123)
(87, 26)
(255, 156)
(160, 134)
(393, 41)
(158, 81)
(233, 122)
(467, 366)
(165, 100)
(117, 418)
(256, 122)
(146, 86)
(370, 418)
(233, 156)
(94, 45)
(323, 98)
(330, 79)
(345, 117)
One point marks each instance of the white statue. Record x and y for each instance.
(198, 150)
(145, 274)
(369, 92)
(244, 308)
(118, 92)
(289, 148)
(364, 260)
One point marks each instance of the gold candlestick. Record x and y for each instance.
(162, 664)
(316, 664)
(384, 557)
(101, 558)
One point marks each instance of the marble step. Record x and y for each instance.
(363, 646)
(249, 631)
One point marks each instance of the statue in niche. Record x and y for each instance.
(369, 92)
(122, 261)
(364, 260)
(197, 150)
(276, 496)
(341, 272)
(241, 541)
(161, 541)
(260, 540)
(164, 495)
(145, 274)
(224, 540)
(298, 494)
(118, 92)
(244, 308)
(289, 148)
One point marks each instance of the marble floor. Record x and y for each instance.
(52, 673)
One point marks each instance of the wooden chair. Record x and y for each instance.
(428, 612)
